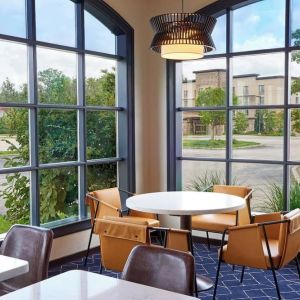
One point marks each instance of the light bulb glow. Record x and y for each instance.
(182, 51)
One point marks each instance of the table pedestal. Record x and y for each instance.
(203, 282)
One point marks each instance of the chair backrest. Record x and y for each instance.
(110, 196)
(32, 244)
(162, 268)
(179, 239)
(289, 237)
(244, 214)
(118, 236)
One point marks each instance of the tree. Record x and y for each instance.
(240, 122)
(259, 121)
(58, 142)
(212, 96)
(296, 120)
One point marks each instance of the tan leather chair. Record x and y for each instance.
(28, 243)
(271, 244)
(107, 202)
(118, 236)
(219, 222)
(162, 268)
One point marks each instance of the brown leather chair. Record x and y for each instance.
(162, 268)
(219, 222)
(270, 244)
(107, 202)
(118, 236)
(28, 243)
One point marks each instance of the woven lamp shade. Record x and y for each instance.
(182, 35)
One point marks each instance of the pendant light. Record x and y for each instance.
(182, 36)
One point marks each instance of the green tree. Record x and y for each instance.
(58, 142)
(240, 122)
(259, 121)
(296, 120)
(270, 122)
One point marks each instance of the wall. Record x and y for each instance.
(150, 106)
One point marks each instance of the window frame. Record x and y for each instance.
(175, 108)
(125, 157)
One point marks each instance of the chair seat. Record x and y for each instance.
(213, 222)
(273, 244)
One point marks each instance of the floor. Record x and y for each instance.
(257, 284)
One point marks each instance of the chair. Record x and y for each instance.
(28, 243)
(219, 222)
(107, 202)
(162, 268)
(118, 237)
(269, 245)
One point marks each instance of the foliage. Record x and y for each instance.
(296, 120)
(240, 122)
(275, 198)
(215, 144)
(268, 122)
(211, 97)
(58, 143)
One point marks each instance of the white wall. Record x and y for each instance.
(150, 106)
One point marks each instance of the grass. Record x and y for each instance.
(215, 144)
(4, 224)
(8, 152)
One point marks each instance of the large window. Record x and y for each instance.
(65, 99)
(242, 126)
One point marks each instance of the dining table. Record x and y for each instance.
(83, 285)
(185, 204)
(11, 267)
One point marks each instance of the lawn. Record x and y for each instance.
(4, 224)
(216, 144)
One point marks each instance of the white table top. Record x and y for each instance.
(185, 203)
(11, 267)
(82, 285)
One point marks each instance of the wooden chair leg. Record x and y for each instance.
(242, 275)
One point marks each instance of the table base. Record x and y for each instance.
(203, 283)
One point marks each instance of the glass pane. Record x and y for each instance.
(204, 82)
(62, 12)
(97, 36)
(295, 134)
(295, 77)
(56, 76)
(13, 17)
(101, 176)
(294, 187)
(101, 134)
(258, 79)
(258, 134)
(204, 134)
(14, 138)
(57, 135)
(14, 200)
(13, 74)
(58, 194)
(254, 24)
(100, 83)
(295, 27)
(265, 180)
(219, 35)
(198, 175)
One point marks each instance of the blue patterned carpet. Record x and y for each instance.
(257, 284)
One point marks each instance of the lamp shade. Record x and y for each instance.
(182, 35)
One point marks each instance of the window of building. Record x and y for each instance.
(185, 93)
(62, 107)
(247, 104)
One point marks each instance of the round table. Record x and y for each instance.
(185, 204)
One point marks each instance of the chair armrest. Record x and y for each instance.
(126, 192)
(270, 217)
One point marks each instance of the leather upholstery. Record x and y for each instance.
(118, 236)
(247, 245)
(220, 222)
(28, 243)
(161, 268)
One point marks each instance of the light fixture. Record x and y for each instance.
(182, 36)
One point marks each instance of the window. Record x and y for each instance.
(243, 127)
(185, 93)
(62, 108)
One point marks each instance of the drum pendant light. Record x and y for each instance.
(182, 36)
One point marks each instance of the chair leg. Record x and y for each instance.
(276, 283)
(297, 264)
(217, 279)
(242, 276)
(88, 248)
(208, 241)
(196, 288)
(233, 267)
